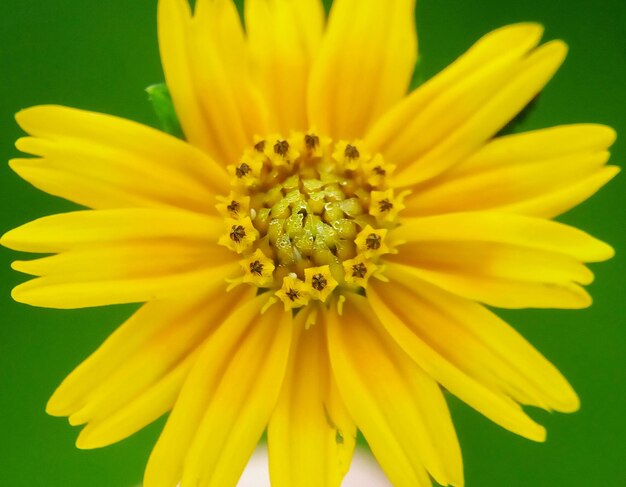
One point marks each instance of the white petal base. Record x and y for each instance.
(364, 471)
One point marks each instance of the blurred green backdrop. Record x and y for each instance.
(101, 55)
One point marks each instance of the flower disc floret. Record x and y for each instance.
(300, 208)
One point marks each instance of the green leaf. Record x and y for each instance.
(161, 101)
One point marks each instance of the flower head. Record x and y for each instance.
(317, 256)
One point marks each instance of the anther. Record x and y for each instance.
(311, 141)
(233, 207)
(319, 282)
(379, 170)
(385, 205)
(359, 270)
(281, 147)
(259, 146)
(293, 294)
(238, 233)
(351, 152)
(373, 241)
(242, 170)
(256, 268)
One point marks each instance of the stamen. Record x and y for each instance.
(351, 152)
(380, 171)
(319, 282)
(385, 205)
(242, 170)
(373, 241)
(259, 146)
(359, 270)
(233, 207)
(370, 242)
(311, 141)
(293, 294)
(281, 147)
(256, 268)
(237, 233)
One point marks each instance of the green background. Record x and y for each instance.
(101, 55)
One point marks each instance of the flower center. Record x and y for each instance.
(309, 216)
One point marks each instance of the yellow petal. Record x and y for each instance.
(364, 66)
(541, 173)
(146, 407)
(137, 401)
(165, 465)
(157, 357)
(398, 407)
(80, 229)
(558, 202)
(534, 233)
(204, 61)
(310, 437)
(504, 96)
(284, 36)
(127, 260)
(539, 145)
(152, 320)
(72, 291)
(401, 325)
(241, 406)
(102, 161)
(475, 341)
(457, 90)
(226, 401)
(486, 286)
(503, 260)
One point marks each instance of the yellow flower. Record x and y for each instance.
(319, 254)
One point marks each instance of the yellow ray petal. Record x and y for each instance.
(65, 292)
(157, 357)
(159, 398)
(80, 229)
(241, 405)
(491, 403)
(166, 461)
(486, 259)
(310, 441)
(534, 233)
(555, 203)
(204, 61)
(226, 401)
(467, 132)
(284, 36)
(485, 62)
(540, 173)
(365, 65)
(475, 341)
(500, 259)
(495, 290)
(102, 161)
(148, 406)
(128, 260)
(398, 407)
(504, 186)
(144, 326)
(539, 145)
